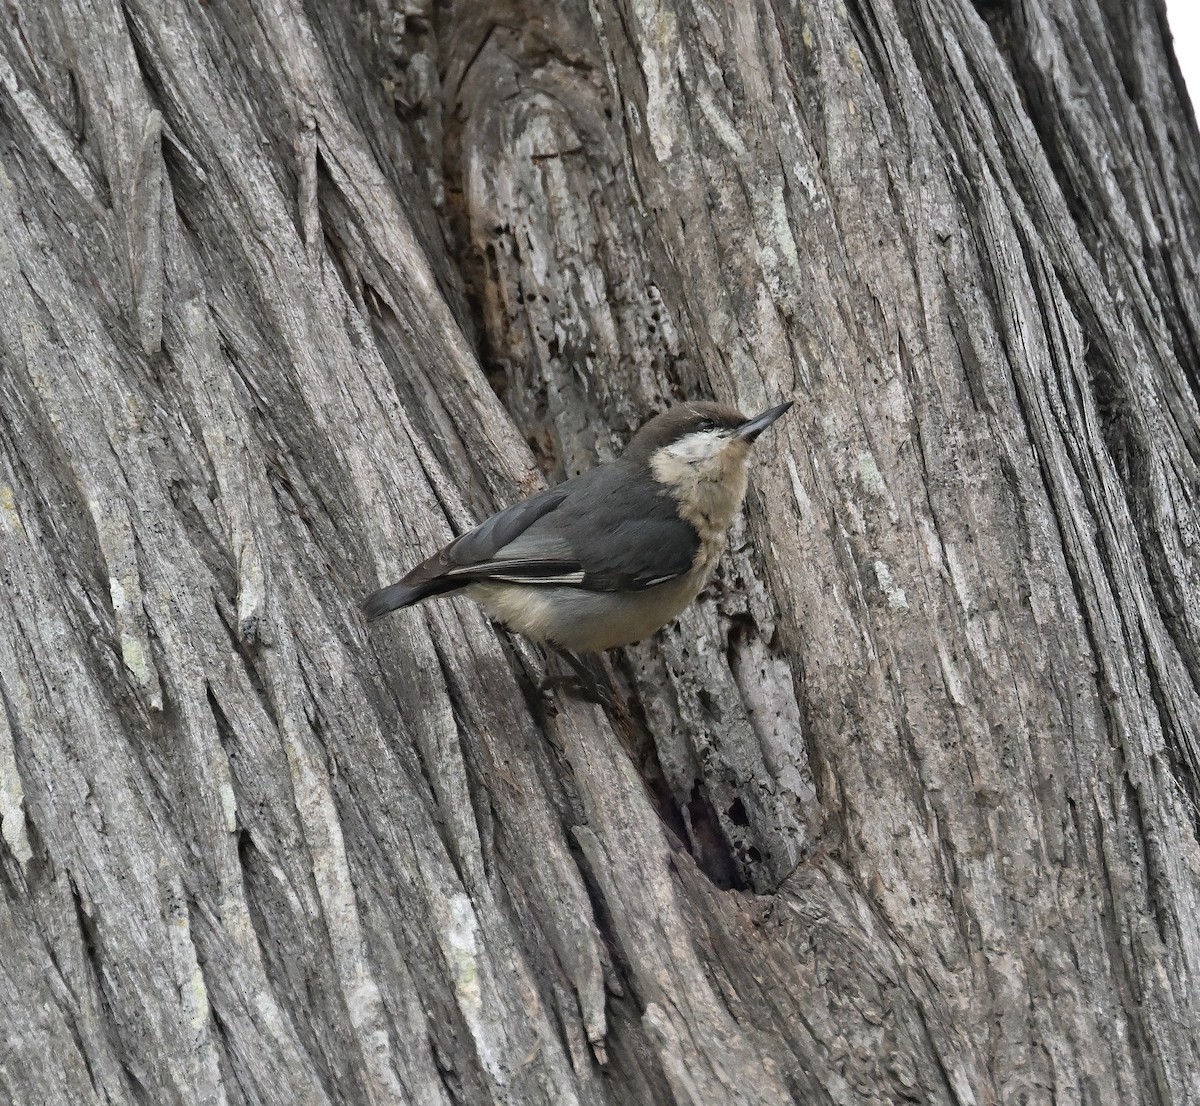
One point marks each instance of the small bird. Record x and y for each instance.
(610, 556)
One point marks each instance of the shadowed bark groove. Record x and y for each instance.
(903, 809)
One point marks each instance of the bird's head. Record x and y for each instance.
(700, 435)
(700, 452)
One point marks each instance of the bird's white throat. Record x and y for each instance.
(706, 472)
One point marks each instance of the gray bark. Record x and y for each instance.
(903, 809)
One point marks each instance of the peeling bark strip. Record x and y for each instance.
(902, 810)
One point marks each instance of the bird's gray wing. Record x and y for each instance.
(618, 533)
(478, 554)
(607, 530)
(474, 556)
(601, 531)
(640, 553)
(492, 536)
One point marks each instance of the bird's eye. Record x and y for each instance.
(706, 425)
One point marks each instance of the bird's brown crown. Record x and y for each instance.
(679, 421)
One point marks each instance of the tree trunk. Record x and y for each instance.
(903, 809)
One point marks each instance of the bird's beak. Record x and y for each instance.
(748, 431)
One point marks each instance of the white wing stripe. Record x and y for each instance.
(564, 578)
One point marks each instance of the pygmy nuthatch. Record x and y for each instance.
(608, 557)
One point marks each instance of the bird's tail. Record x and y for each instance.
(403, 594)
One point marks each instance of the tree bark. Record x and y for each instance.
(903, 809)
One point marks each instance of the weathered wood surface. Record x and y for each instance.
(902, 810)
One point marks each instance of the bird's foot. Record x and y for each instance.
(582, 682)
